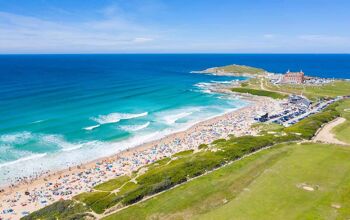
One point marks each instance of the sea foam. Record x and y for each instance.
(116, 117)
(31, 157)
(89, 128)
(135, 127)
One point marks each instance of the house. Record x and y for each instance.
(293, 77)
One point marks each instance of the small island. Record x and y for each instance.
(235, 70)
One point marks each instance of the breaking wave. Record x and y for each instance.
(135, 127)
(116, 117)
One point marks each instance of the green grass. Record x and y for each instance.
(189, 165)
(344, 109)
(90, 198)
(259, 92)
(262, 186)
(65, 209)
(112, 184)
(128, 187)
(98, 201)
(277, 194)
(337, 88)
(268, 127)
(342, 131)
(183, 153)
(240, 69)
(205, 192)
(106, 202)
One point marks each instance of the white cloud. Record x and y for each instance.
(29, 34)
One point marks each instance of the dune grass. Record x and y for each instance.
(258, 92)
(60, 210)
(206, 192)
(112, 184)
(267, 185)
(128, 187)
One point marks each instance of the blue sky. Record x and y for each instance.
(174, 26)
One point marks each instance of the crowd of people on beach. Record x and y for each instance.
(35, 192)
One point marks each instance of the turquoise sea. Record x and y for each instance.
(60, 110)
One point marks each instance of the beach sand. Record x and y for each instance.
(30, 195)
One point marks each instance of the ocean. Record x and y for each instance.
(61, 110)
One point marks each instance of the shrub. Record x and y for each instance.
(64, 209)
(203, 146)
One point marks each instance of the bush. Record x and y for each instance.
(202, 146)
(64, 209)
(109, 201)
(309, 126)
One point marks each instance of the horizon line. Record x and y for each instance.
(175, 53)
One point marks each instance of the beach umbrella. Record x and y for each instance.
(26, 193)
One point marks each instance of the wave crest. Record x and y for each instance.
(116, 117)
(135, 127)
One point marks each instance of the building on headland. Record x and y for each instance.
(293, 77)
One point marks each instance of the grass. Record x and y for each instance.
(205, 192)
(104, 203)
(277, 193)
(262, 186)
(90, 198)
(189, 165)
(183, 153)
(128, 187)
(112, 184)
(342, 131)
(258, 92)
(65, 209)
(240, 69)
(330, 90)
(268, 127)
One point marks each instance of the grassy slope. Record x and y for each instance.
(112, 184)
(313, 92)
(240, 69)
(258, 92)
(263, 186)
(205, 192)
(342, 131)
(275, 195)
(60, 210)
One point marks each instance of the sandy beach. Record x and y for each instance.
(28, 195)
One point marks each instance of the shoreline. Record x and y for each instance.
(130, 160)
(217, 88)
(125, 152)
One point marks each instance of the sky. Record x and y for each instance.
(174, 26)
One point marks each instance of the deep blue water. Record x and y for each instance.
(60, 109)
